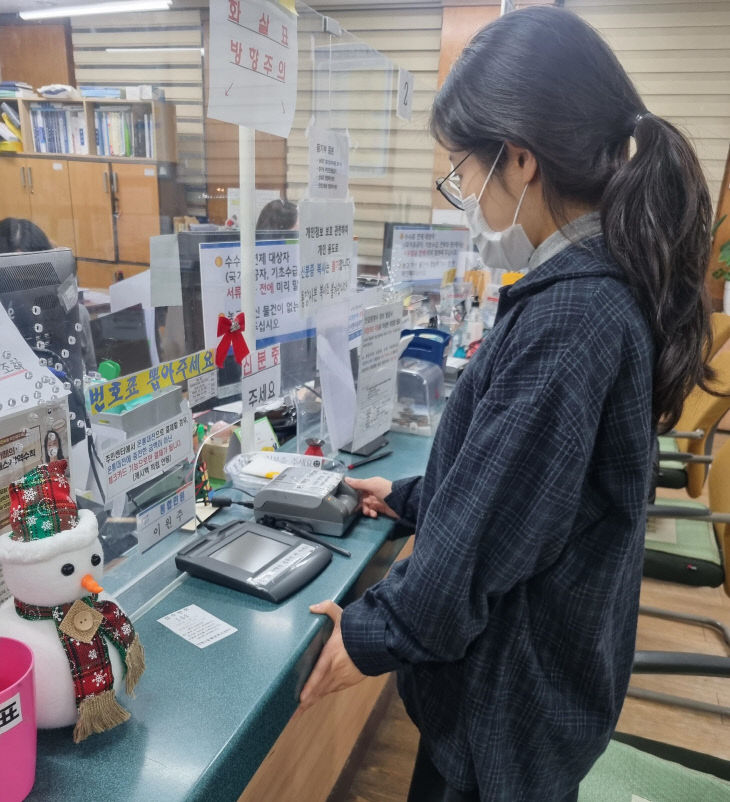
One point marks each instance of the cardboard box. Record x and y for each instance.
(215, 454)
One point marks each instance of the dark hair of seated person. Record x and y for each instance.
(19, 234)
(278, 215)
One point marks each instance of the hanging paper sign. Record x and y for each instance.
(326, 252)
(425, 253)
(146, 455)
(376, 381)
(107, 395)
(261, 380)
(253, 65)
(329, 163)
(404, 110)
(165, 516)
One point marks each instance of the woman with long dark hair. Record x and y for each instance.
(512, 625)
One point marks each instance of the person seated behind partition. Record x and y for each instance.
(278, 215)
(18, 235)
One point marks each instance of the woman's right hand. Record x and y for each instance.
(372, 494)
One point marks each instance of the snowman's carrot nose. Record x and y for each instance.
(89, 583)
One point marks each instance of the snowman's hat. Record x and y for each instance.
(44, 519)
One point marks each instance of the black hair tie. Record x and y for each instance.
(639, 117)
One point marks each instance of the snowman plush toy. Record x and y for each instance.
(52, 562)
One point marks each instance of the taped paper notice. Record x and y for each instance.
(376, 382)
(329, 163)
(325, 252)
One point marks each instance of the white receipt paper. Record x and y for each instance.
(197, 626)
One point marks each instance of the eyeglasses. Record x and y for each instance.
(450, 186)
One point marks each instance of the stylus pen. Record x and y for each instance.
(295, 530)
(369, 459)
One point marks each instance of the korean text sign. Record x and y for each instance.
(425, 253)
(326, 252)
(146, 455)
(107, 395)
(276, 273)
(253, 64)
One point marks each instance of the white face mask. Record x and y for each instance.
(503, 250)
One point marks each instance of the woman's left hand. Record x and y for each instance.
(334, 670)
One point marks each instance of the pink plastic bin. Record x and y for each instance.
(17, 720)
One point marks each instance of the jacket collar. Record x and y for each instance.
(589, 257)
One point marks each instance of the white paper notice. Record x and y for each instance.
(329, 163)
(261, 380)
(338, 386)
(165, 285)
(377, 375)
(253, 65)
(325, 252)
(425, 253)
(197, 626)
(203, 387)
(404, 109)
(146, 455)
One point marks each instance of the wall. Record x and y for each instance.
(677, 52)
(38, 54)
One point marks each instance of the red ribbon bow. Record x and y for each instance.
(231, 333)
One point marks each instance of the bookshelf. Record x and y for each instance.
(99, 128)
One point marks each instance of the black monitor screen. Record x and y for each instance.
(122, 337)
(250, 552)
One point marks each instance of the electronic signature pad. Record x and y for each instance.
(255, 559)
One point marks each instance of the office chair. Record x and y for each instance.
(690, 544)
(635, 768)
(685, 456)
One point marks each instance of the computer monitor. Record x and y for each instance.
(122, 337)
(40, 294)
(417, 253)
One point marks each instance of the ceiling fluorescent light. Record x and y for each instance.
(153, 49)
(118, 7)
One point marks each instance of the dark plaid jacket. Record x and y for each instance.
(512, 625)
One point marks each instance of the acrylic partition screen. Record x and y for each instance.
(134, 169)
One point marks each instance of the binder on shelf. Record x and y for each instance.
(12, 113)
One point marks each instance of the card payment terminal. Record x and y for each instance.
(254, 559)
(310, 497)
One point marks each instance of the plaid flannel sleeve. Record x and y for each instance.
(502, 511)
(404, 498)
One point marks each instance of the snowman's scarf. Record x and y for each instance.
(91, 670)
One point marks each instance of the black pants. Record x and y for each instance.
(427, 785)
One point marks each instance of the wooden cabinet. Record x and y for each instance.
(39, 191)
(137, 203)
(14, 198)
(91, 192)
(50, 200)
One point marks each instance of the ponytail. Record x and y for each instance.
(657, 216)
(543, 79)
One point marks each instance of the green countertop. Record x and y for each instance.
(204, 719)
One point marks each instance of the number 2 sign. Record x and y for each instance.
(405, 94)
